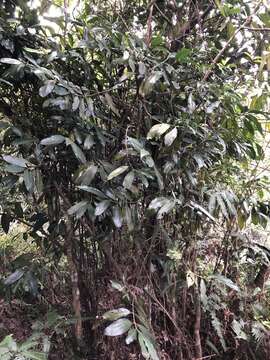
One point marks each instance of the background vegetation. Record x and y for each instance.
(134, 150)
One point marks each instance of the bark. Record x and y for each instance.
(76, 302)
(197, 326)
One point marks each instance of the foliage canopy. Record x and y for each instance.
(131, 133)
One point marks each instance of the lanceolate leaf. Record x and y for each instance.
(128, 180)
(166, 208)
(46, 89)
(11, 279)
(117, 217)
(10, 61)
(117, 328)
(17, 161)
(102, 207)
(116, 314)
(53, 140)
(93, 191)
(88, 175)
(157, 130)
(78, 153)
(170, 137)
(28, 180)
(117, 172)
(131, 336)
(78, 207)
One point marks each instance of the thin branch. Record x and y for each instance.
(148, 36)
(256, 29)
(219, 55)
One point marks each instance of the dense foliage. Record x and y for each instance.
(131, 143)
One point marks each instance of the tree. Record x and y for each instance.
(126, 148)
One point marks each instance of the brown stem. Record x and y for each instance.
(197, 326)
(69, 240)
(74, 281)
(148, 36)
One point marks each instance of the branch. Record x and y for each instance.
(187, 27)
(148, 36)
(219, 55)
(256, 29)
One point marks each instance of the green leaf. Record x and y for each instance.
(203, 294)
(167, 207)
(157, 130)
(118, 327)
(78, 153)
(53, 140)
(238, 329)
(225, 281)
(157, 203)
(11, 279)
(159, 178)
(89, 142)
(111, 104)
(203, 210)
(117, 218)
(78, 208)
(34, 355)
(148, 84)
(76, 103)
(128, 180)
(170, 137)
(131, 336)
(10, 61)
(183, 55)
(222, 206)
(93, 191)
(116, 314)
(28, 180)
(102, 207)
(87, 175)
(120, 170)
(16, 161)
(117, 286)
(46, 89)
(147, 347)
(14, 169)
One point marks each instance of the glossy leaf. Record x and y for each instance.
(120, 170)
(116, 314)
(53, 140)
(17, 161)
(117, 328)
(170, 137)
(46, 89)
(157, 130)
(102, 207)
(11, 279)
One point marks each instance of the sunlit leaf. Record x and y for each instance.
(117, 328)
(120, 170)
(157, 130)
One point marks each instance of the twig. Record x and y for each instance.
(256, 29)
(219, 55)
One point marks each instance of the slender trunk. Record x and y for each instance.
(76, 301)
(197, 326)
